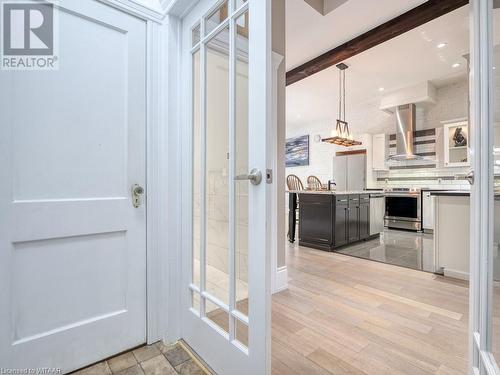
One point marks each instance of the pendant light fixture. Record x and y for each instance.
(341, 135)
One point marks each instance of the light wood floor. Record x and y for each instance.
(344, 315)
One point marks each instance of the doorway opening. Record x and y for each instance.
(376, 235)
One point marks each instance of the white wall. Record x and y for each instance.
(279, 46)
(367, 117)
(451, 103)
(321, 154)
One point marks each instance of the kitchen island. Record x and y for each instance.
(330, 219)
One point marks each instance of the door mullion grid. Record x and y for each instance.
(232, 171)
(203, 167)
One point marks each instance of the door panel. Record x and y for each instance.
(356, 171)
(225, 310)
(340, 172)
(353, 218)
(364, 219)
(73, 246)
(341, 223)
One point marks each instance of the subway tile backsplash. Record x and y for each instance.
(433, 178)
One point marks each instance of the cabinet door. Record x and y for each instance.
(364, 221)
(340, 172)
(427, 211)
(341, 220)
(456, 144)
(379, 152)
(315, 216)
(353, 219)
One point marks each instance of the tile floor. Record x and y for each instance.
(155, 359)
(402, 248)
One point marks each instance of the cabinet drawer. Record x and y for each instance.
(315, 198)
(353, 200)
(364, 199)
(341, 199)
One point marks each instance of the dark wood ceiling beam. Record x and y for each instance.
(415, 17)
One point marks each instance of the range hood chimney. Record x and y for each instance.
(405, 128)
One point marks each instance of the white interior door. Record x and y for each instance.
(485, 194)
(73, 247)
(226, 268)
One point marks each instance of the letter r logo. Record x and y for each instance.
(28, 28)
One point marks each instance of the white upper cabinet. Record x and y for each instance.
(379, 152)
(456, 144)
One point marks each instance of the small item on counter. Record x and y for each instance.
(459, 138)
(331, 184)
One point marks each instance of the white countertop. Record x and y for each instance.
(334, 192)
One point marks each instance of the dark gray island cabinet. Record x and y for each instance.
(328, 221)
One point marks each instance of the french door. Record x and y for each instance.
(226, 59)
(485, 192)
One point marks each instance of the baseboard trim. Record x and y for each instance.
(456, 274)
(281, 279)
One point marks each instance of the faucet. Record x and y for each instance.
(330, 184)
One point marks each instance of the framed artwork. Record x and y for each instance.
(297, 151)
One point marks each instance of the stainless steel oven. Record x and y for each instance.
(403, 209)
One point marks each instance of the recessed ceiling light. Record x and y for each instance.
(456, 65)
(442, 45)
(381, 89)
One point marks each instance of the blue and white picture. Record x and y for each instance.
(297, 151)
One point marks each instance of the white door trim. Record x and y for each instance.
(175, 154)
(279, 275)
(157, 165)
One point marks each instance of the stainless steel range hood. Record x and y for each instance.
(405, 128)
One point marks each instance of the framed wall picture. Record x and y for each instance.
(297, 151)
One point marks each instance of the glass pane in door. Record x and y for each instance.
(241, 161)
(217, 167)
(216, 17)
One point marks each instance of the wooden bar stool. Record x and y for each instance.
(314, 183)
(294, 184)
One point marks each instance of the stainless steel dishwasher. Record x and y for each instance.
(377, 213)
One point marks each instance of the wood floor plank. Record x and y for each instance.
(345, 315)
(410, 302)
(295, 361)
(335, 365)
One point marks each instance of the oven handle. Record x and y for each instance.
(403, 196)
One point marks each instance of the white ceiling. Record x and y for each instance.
(406, 60)
(308, 33)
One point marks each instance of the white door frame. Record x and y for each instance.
(157, 165)
(482, 215)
